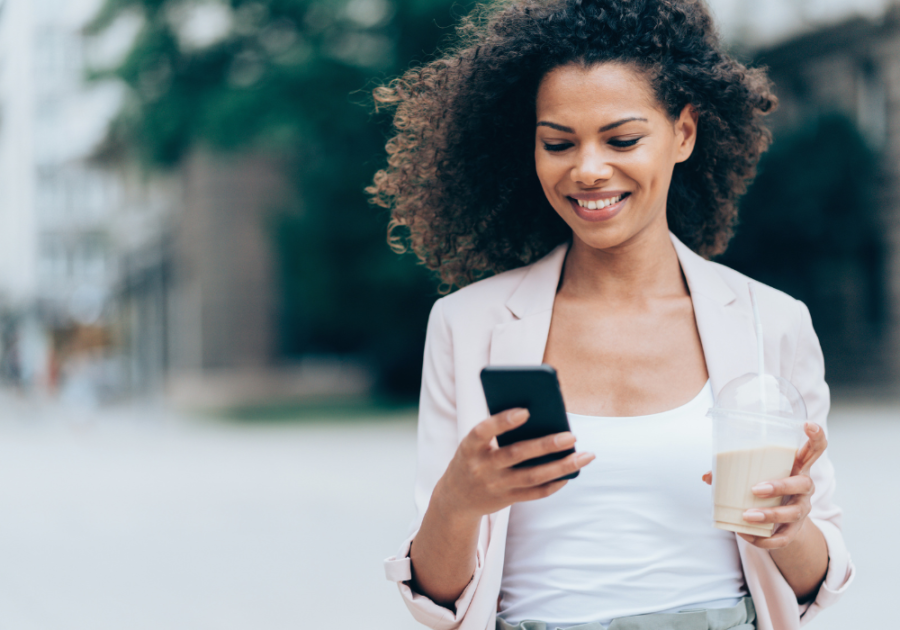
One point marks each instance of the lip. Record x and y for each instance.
(602, 214)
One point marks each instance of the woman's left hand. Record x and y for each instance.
(797, 491)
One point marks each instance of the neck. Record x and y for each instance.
(645, 266)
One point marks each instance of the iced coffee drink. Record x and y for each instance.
(738, 471)
(757, 429)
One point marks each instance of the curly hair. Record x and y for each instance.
(460, 179)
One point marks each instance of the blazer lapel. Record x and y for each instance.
(522, 340)
(726, 329)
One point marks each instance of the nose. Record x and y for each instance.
(591, 167)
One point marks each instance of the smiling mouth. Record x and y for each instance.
(600, 204)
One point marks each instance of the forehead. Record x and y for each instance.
(599, 91)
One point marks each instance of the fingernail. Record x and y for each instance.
(564, 439)
(518, 417)
(763, 488)
(754, 516)
(585, 458)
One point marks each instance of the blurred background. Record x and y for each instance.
(209, 358)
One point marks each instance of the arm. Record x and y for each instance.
(804, 562)
(808, 548)
(480, 480)
(798, 546)
(457, 483)
(443, 553)
(437, 439)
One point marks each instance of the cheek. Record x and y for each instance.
(549, 171)
(648, 170)
(660, 175)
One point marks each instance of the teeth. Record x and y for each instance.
(600, 204)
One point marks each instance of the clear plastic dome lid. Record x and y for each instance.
(763, 394)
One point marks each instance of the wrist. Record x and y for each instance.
(450, 507)
(806, 537)
(804, 562)
(788, 549)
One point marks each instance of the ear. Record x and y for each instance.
(686, 133)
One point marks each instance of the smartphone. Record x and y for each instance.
(536, 389)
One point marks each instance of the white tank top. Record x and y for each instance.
(632, 534)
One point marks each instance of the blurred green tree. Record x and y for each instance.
(290, 76)
(809, 226)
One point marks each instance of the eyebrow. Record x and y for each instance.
(602, 129)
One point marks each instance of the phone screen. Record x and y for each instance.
(535, 388)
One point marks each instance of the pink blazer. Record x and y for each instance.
(505, 320)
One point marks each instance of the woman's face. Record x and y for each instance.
(605, 151)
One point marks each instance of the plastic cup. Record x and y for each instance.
(757, 428)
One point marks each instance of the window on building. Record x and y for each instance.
(47, 192)
(871, 103)
(94, 255)
(53, 263)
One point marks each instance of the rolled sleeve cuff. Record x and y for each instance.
(399, 569)
(838, 577)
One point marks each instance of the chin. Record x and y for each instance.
(598, 235)
(605, 239)
(616, 233)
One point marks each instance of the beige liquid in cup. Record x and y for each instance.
(738, 471)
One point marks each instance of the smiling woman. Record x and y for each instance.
(460, 180)
(582, 153)
(594, 172)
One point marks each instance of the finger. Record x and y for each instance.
(784, 514)
(801, 458)
(783, 536)
(539, 475)
(812, 450)
(498, 424)
(797, 485)
(708, 478)
(750, 539)
(509, 456)
(539, 492)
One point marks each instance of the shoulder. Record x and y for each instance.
(739, 281)
(781, 313)
(517, 292)
(726, 286)
(482, 300)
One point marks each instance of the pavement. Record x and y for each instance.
(139, 518)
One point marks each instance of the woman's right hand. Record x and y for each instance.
(481, 479)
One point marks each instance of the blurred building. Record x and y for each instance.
(57, 263)
(853, 68)
(87, 248)
(756, 23)
(115, 281)
(196, 290)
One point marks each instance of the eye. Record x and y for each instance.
(624, 144)
(556, 148)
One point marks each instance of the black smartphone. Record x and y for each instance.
(536, 389)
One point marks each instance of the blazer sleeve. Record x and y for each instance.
(808, 375)
(437, 440)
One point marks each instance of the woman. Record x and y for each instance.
(588, 156)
